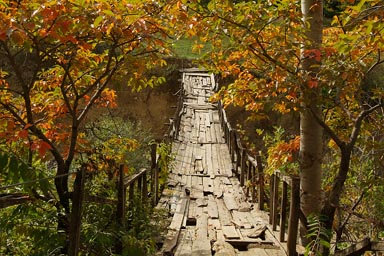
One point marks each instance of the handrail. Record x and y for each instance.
(250, 172)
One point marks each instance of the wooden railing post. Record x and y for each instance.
(154, 175)
(254, 183)
(140, 185)
(232, 147)
(260, 174)
(121, 198)
(120, 211)
(283, 211)
(275, 200)
(144, 188)
(294, 213)
(131, 194)
(271, 190)
(243, 166)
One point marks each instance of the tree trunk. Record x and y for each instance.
(63, 206)
(333, 200)
(77, 203)
(311, 132)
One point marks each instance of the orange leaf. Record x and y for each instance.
(43, 147)
(313, 83)
(23, 134)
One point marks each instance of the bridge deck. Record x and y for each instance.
(211, 213)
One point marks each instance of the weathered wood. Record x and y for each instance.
(213, 212)
(202, 246)
(121, 194)
(230, 232)
(179, 214)
(356, 249)
(207, 185)
(260, 181)
(155, 175)
(224, 214)
(186, 240)
(253, 252)
(271, 191)
(230, 201)
(283, 211)
(294, 212)
(243, 166)
(174, 228)
(206, 168)
(377, 246)
(275, 202)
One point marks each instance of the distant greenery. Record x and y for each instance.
(31, 228)
(184, 48)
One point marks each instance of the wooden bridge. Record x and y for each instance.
(220, 201)
(212, 211)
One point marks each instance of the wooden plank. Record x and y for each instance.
(197, 188)
(187, 160)
(201, 202)
(377, 246)
(224, 159)
(201, 245)
(185, 246)
(217, 190)
(275, 252)
(207, 185)
(198, 165)
(178, 217)
(230, 201)
(213, 213)
(215, 136)
(215, 160)
(192, 212)
(174, 229)
(243, 219)
(208, 160)
(212, 230)
(230, 232)
(355, 249)
(253, 252)
(224, 214)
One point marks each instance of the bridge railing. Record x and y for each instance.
(250, 172)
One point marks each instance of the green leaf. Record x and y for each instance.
(97, 21)
(109, 12)
(3, 162)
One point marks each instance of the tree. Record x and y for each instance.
(278, 60)
(311, 134)
(58, 60)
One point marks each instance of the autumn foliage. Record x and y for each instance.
(58, 62)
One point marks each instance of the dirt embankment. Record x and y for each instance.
(153, 107)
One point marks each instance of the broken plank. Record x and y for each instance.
(207, 185)
(224, 214)
(185, 246)
(201, 245)
(213, 213)
(230, 232)
(243, 219)
(178, 217)
(230, 201)
(174, 229)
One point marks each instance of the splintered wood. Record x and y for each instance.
(207, 204)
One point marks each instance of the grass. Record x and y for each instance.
(183, 48)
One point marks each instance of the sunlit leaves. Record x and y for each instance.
(73, 49)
